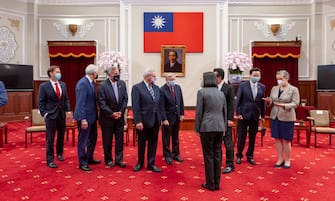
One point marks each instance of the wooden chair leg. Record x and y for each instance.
(6, 132)
(31, 137)
(1, 137)
(26, 140)
(73, 136)
(330, 139)
(315, 140)
(134, 136)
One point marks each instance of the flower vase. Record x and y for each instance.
(235, 78)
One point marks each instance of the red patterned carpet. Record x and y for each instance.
(25, 176)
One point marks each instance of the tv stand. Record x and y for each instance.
(326, 101)
(19, 105)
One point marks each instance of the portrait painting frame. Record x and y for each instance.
(173, 60)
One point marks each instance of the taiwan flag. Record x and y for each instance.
(177, 28)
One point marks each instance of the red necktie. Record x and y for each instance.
(57, 90)
(172, 92)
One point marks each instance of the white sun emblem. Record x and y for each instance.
(158, 22)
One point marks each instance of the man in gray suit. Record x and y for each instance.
(210, 122)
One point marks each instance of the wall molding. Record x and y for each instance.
(326, 37)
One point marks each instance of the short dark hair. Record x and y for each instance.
(52, 69)
(174, 52)
(220, 72)
(255, 69)
(209, 79)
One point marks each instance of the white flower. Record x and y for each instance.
(240, 60)
(110, 59)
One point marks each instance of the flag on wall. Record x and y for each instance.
(177, 28)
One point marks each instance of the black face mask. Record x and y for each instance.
(116, 77)
(96, 77)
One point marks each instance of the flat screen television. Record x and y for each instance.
(326, 78)
(17, 77)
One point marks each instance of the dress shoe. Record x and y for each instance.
(94, 162)
(60, 157)
(217, 187)
(110, 164)
(154, 168)
(52, 165)
(207, 187)
(228, 170)
(286, 166)
(168, 161)
(138, 167)
(178, 159)
(121, 164)
(251, 161)
(279, 165)
(238, 161)
(85, 168)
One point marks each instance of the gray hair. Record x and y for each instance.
(91, 68)
(110, 69)
(284, 73)
(147, 72)
(169, 75)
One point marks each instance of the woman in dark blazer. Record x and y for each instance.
(284, 98)
(210, 122)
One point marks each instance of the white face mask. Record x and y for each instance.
(279, 82)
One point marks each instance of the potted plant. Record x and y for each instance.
(112, 59)
(236, 63)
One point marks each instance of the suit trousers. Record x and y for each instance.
(212, 150)
(168, 133)
(228, 142)
(87, 140)
(115, 129)
(150, 135)
(53, 125)
(242, 129)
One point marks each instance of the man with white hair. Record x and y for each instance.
(86, 114)
(146, 106)
(172, 114)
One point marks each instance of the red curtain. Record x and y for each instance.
(72, 57)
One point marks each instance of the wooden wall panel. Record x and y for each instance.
(307, 90)
(19, 105)
(326, 101)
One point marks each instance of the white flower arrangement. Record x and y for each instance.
(237, 62)
(112, 59)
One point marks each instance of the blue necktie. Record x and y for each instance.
(116, 93)
(151, 90)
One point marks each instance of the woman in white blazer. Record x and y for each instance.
(284, 98)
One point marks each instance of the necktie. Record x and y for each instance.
(254, 91)
(172, 92)
(116, 93)
(57, 90)
(92, 85)
(151, 90)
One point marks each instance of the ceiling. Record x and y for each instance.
(155, 2)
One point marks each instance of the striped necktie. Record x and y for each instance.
(151, 90)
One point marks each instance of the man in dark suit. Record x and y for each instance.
(173, 113)
(250, 107)
(173, 65)
(229, 93)
(113, 99)
(54, 106)
(146, 105)
(86, 114)
(3, 95)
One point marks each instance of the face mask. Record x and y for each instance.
(153, 80)
(201, 84)
(96, 77)
(116, 77)
(172, 82)
(255, 79)
(58, 76)
(279, 82)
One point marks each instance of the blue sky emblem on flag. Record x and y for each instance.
(158, 22)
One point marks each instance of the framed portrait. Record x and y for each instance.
(173, 60)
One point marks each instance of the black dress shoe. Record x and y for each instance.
(228, 170)
(138, 167)
(60, 157)
(281, 164)
(238, 161)
(154, 168)
(94, 162)
(110, 164)
(168, 161)
(207, 187)
(251, 161)
(85, 168)
(121, 165)
(178, 159)
(52, 165)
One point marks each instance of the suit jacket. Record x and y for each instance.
(211, 111)
(3, 95)
(229, 93)
(246, 106)
(86, 105)
(145, 109)
(48, 101)
(290, 98)
(177, 67)
(172, 109)
(107, 100)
